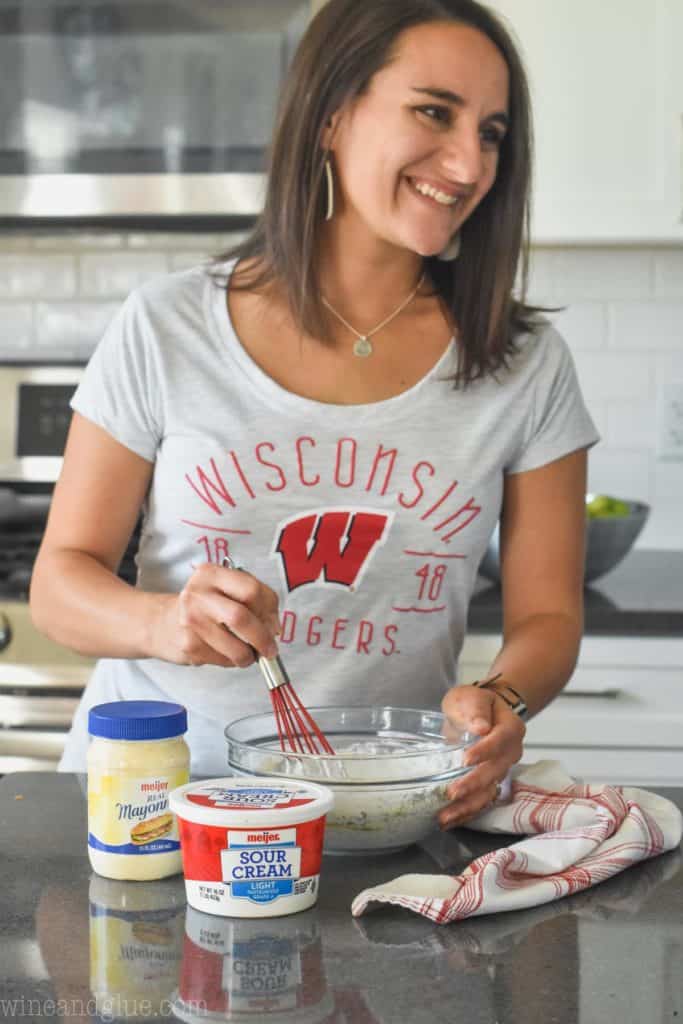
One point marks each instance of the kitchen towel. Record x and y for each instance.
(579, 834)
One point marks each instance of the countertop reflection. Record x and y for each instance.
(82, 947)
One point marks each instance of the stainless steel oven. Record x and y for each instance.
(127, 108)
(40, 682)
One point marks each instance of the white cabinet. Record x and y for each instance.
(607, 85)
(620, 718)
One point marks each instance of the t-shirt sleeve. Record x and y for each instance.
(118, 390)
(559, 422)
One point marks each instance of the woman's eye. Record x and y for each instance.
(442, 115)
(492, 137)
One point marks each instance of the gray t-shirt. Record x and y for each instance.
(368, 520)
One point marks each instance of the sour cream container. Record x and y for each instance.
(137, 755)
(251, 847)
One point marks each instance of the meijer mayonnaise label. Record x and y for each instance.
(132, 816)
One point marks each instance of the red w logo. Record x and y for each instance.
(333, 545)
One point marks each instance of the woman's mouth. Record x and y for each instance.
(433, 194)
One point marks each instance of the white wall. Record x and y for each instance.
(624, 323)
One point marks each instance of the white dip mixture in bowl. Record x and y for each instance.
(389, 772)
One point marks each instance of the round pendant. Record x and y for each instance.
(362, 348)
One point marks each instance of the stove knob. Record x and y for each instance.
(5, 632)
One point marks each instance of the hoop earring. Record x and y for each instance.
(330, 189)
(452, 250)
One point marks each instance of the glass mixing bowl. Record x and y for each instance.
(389, 773)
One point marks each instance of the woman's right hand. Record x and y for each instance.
(221, 617)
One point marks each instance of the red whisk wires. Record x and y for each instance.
(296, 727)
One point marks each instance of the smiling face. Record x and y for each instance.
(418, 150)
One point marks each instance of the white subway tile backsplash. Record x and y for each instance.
(16, 328)
(602, 274)
(16, 241)
(188, 256)
(646, 325)
(668, 482)
(632, 425)
(668, 367)
(68, 326)
(611, 375)
(108, 275)
(624, 472)
(202, 243)
(583, 325)
(28, 276)
(184, 259)
(540, 286)
(61, 241)
(669, 273)
(79, 240)
(229, 239)
(664, 528)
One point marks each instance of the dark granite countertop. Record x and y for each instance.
(77, 947)
(643, 596)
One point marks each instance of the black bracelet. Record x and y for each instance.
(518, 706)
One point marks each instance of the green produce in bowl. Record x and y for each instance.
(602, 506)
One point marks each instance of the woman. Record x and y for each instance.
(348, 408)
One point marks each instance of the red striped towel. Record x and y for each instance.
(579, 835)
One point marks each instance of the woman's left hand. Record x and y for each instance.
(501, 734)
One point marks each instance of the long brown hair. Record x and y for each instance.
(345, 45)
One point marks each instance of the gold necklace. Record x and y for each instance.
(363, 346)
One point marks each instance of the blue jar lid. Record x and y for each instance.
(137, 720)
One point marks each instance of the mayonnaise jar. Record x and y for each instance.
(137, 755)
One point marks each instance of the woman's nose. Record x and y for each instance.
(462, 156)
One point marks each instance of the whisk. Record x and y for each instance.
(296, 727)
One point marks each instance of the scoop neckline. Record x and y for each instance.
(232, 348)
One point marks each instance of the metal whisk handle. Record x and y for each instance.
(272, 669)
(274, 672)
